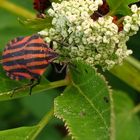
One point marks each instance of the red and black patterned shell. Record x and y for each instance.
(27, 57)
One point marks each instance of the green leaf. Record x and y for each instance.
(26, 133)
(127, 123)
(85, 105)
(129, 72)
(41, 99)
(21, 133)
(120, 6)
(37, 24)
(8, 85)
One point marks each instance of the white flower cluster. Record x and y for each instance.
(131, 23)
(78, 37)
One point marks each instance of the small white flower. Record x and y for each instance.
(47, 39)
(138, 22)
(128, 52)
(88, 31)
(71, 18)
(51, 12)
(135, 17)
(97, 57)
(84, 15)
(119, 52)
(100, 2)
(99, 39)
(101, 20)
(89, 60)
(52, 31)
(91, 39)
(79, 28)
(106, 39)
(84, 40)
(43, 32)
(127, 19)
(135, 27)
(134, 8)
(127, 27)
(70, 40)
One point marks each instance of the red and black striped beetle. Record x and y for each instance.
(41, 6)
(27, 58)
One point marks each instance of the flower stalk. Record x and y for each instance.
(129, 72)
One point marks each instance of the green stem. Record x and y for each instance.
(24, 90)
(136, 109)
(44, 122)
(16, 9)
(120, 20)
(129, 72)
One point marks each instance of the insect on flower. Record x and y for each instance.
(27, 58)
(119, 24)
(41, 6)
(102, 10)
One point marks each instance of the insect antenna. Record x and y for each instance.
(61, 42)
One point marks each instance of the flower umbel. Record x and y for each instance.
(81, 38)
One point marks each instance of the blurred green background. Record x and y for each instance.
(29, 110)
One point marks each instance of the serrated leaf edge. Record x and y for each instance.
(112, 115)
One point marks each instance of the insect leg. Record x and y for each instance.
(18, 88)
(34, 84)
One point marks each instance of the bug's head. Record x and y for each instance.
(51, 55)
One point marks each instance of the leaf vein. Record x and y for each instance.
(92, 105)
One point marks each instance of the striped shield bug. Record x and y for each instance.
(27, 58)
(41, 6)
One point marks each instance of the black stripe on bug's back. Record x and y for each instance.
(13, 63)
(36, 36)
(10, 55)
(22, 53)
(21, 62)
(15, 77)
(37, 45)
(42, 66)
(13, 41)
(22, 70)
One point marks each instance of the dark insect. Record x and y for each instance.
(102, 10)
(41, 6)
(27, 58)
